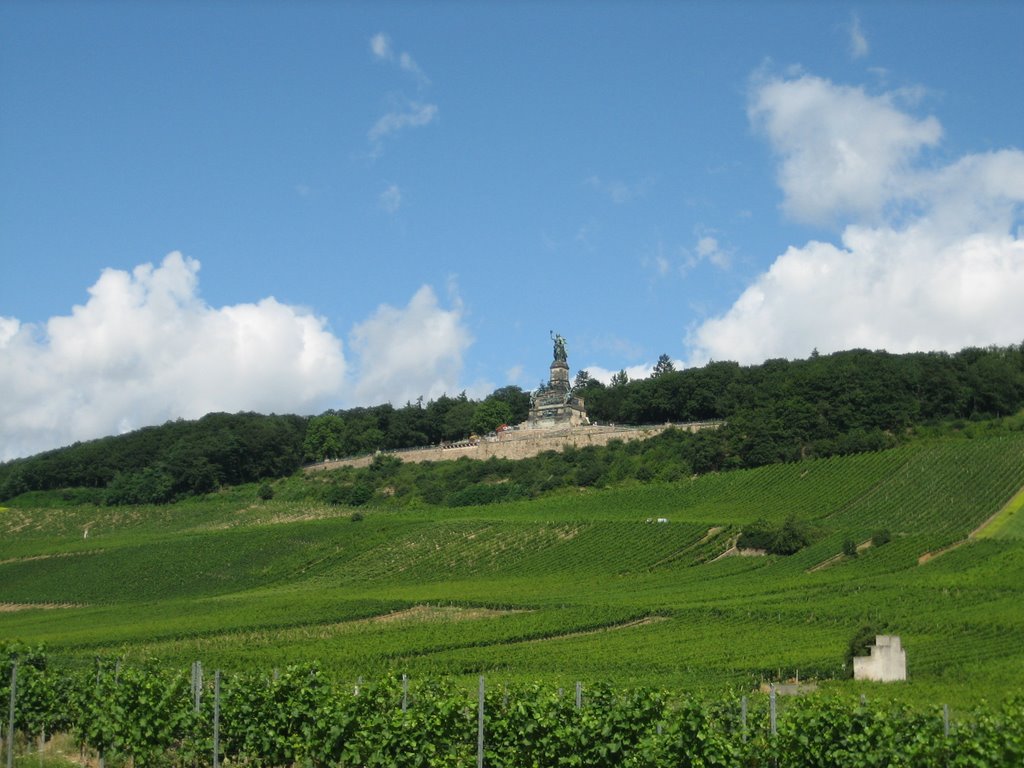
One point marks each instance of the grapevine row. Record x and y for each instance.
(302, 716)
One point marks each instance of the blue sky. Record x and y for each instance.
(294, 206)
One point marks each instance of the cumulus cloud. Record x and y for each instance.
(633, 372)
(929, 257)
(842, 151)
(882, 289)
(144, 348)
(411, 351)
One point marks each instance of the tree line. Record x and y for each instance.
(777, 411)
(156, 465)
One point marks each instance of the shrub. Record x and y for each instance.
(880, 537)
(791, 537)
(361, 493)
(861, 643)
(758, 535)
(338, 495)
(486, 493)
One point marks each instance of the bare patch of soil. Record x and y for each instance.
(599, 630)
(940, 552)
(712, 532)
(12, 607)
(50, 556)
(438, 612)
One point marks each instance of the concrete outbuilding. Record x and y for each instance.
(887, 662)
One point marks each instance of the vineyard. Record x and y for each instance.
(151, 716)
(579, 585)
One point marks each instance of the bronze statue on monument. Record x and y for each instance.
(560, 353)
(553, 404)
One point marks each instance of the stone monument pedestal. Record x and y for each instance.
(554, 405)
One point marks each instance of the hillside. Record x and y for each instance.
(779, 411)
(576, 584)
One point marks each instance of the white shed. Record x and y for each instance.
(887, 662)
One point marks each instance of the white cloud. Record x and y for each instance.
(707, 249)
(144, 348)
(382, 49)
(586, 232)
(633, 372)
(515, 373)
(411, 351)
(659, 262)
(842, 151)
(859, 47)
(619, 192)
(406, 62)
(380, 44)
(408, 113)
(930, 258)
(391, 198)
(413, 114)
(883, 289)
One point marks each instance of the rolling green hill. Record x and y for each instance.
(580, 585)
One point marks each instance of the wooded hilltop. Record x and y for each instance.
(778, 411)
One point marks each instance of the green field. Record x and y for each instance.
(575, 586)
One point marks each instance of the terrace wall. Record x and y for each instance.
(522, 443)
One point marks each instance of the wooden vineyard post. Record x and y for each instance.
(579, 694)
(197, 683)
(10, 714)
(945, 720)
(216, 719)
(480, 727)
(101, 758)
(405, 693)
(771, 701)
(743, 718)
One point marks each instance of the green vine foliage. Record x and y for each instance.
(305, 717)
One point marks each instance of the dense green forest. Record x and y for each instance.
(779, 411)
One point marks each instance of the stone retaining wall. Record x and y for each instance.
(521, 443)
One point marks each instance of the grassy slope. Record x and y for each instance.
(580, 585)
(1009, 522)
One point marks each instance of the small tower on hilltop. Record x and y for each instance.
(554, 405)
